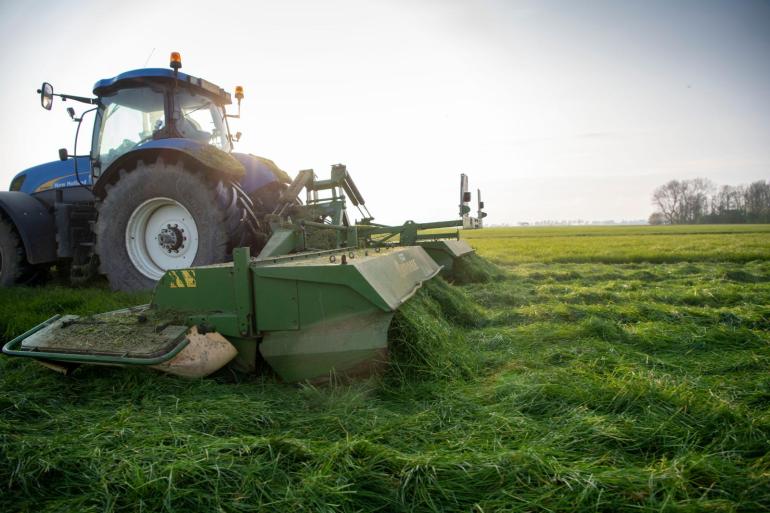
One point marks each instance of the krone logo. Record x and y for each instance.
(407, 267)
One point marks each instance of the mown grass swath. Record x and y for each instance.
(588, 386)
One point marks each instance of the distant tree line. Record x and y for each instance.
(700, 201)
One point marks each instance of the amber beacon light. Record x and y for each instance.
(176, 60)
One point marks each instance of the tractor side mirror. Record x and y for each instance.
(466, 197)
(63, 154)
(46, 95)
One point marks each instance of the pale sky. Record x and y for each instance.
(555, 109)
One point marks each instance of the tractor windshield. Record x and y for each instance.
(200, 119)
(129, 118)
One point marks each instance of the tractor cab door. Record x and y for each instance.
(125, 120)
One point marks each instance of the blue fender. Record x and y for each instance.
(250, 172)
(259, 172)
(34, 223)
(171, 149)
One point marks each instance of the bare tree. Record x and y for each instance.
(668, 198)
(696, 194)
(684, 201)
(729, 199)
(698, 201)
(757, 199)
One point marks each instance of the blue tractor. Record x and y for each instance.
(160, 189)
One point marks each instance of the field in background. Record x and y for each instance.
(624, 244)
(610, 369)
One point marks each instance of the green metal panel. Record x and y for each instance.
(201, 289)
(277, 304)
(209, 295)
(344, 309)
(344, 345)
(386, 278)
(442, 258)
(445, 252)
(454, 248)
(246, 361)
(320, 301)
(282, 242)
(225, 323)
(242, 291)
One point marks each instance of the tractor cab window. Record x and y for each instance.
(130, 117)
(200, 119)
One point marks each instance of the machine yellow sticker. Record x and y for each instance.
(182, 279)
(49, 184)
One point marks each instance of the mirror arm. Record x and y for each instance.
(81, 99)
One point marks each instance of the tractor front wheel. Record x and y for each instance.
(155, 218)
(14, 269)
(11, 255)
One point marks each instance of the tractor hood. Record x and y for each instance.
(140, 77)
(52, 175)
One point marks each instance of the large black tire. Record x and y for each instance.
(146, 182)
(14, 269)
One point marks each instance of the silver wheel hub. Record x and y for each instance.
(161, 234)
(171, 238)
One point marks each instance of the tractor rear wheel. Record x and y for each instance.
(159, 217)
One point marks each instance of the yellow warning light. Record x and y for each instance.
(238, 92)
(176, 60)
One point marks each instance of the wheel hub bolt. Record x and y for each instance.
(171, 238)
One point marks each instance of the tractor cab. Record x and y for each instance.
(140, 106)
(152, 104)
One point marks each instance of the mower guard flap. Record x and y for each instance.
(446, 252)
(343, 310)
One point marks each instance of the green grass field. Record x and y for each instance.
(608, 369)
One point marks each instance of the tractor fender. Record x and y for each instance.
(250, 171)
(220, 164)
(35, 224)
(259, 172)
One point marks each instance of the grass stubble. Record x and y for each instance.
(589, 386)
